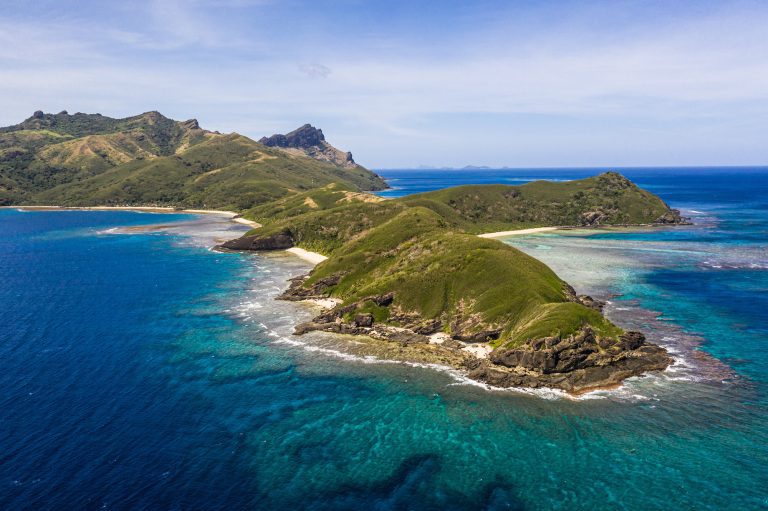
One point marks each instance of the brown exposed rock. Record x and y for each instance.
(590, 302)
(383, 300)
(575, 363)
(311, 142)
(279, 241)
(482, 336)
(364, 320)
(592, 218)
(191, 124)
(585, 300)
(673, 216)
(428, 327)
(298, 291)
(631, 340)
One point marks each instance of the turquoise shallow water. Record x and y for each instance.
(144, 371)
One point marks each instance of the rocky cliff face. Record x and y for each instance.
(575, 363)
(311, 141)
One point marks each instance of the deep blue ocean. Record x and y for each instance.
(141, 370)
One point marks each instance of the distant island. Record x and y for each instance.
(465, 167)
(409, 272)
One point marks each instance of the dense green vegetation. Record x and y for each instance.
(467, 283)
(607, 199)
(422, 248)
(317, 199)
(84, 160)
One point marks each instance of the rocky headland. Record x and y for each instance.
(413, 273)
(574, 363)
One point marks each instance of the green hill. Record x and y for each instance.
(407, 268)
(149, 159)
(423, 249)
(607, 199)
(468, 284)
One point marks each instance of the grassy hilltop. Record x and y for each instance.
(325, 219)
(468, 284)
(406, 268)
(149, 159)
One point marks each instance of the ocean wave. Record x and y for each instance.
(734, 265)
(276, 319)
(621, 392)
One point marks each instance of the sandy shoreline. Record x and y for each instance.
(384, 350)
(235, 217)
(518, 232)
(312, 257)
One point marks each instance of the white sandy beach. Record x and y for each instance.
(242, 220)
(149, 209)
(519, 232)
(312, 257)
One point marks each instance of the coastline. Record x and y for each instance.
(473, 361)
(390, 346)
(311, 257)
(591, 229)
(235, 217)
(518, 232)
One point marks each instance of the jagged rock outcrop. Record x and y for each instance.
(593, 218)
(576, 363)
(311, 141)
(297, 291)
(191, 124)
(573, 363)
(585, 300)
(673, 216)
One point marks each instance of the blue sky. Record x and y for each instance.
(400, 84)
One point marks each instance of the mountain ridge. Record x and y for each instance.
(150, 159)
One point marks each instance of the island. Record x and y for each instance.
(420, 272)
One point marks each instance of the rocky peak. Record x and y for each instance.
(152, 117)
(304, 137)
(191, 124)
(311, 141)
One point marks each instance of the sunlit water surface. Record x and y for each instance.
(145, 371)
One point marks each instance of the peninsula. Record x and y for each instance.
(410, 271)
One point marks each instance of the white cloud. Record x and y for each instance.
(315, 70)
(710, 70)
